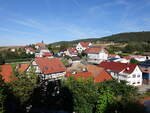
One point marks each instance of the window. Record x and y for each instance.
(133, 76)
(138, 82)
(133, 83)
(138, 75)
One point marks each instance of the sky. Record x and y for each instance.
(30, 21)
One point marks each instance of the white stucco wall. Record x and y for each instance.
(102, 55)
(80, 48)
(135, 81)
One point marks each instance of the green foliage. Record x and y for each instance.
(59, 47)
(112, 49)
(120, 88)
(129, 37)
(136, 47)
(2, 100)
(133, 61)
(10, 56)
(64, 46)
(84, 93)
(122, 37)
(124, 98)
(2, 60)
(81, 55)
(3, 95)
(32, 46)
(65, 62)
(106, 98)
(23, 87)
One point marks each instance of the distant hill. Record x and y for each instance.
(121, 37)
(129, 37)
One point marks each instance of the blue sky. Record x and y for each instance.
(29, 21)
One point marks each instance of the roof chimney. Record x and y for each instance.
(127, 68)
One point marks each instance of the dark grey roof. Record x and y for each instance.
(145, 63)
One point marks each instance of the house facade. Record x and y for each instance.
(50, 69)
(97, 53)
(40, 45)
(83, 46)
(29, 50)
(124, 71)
(71, 52)
(43, 53)
(113, 56)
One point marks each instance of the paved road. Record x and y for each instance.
(144, 88)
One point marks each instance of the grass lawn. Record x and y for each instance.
(146, 94)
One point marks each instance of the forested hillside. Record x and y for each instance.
(129, 37)
(121, 37)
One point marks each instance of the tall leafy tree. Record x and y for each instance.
(84, 94)
(105, 100)
(23, 86)
(3, 96)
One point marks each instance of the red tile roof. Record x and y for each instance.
(29, 48)
(73, 51)
(22, 67)
(142, 100)
(6, 72)
(50, 65)
(127, 57)
(118, 67)
(94, 50)
(99, 74)
(46, 54)
(85, 44)
(40, 44)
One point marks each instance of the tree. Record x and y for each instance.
(2, 100)
(133, 61)
(117, 97)
(65, 62)
(2, 95)
(105, 100)
(84, 94)
(2, 60)
(23, 86)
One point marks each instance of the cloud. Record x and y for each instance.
(20, 32)
(31, 23)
